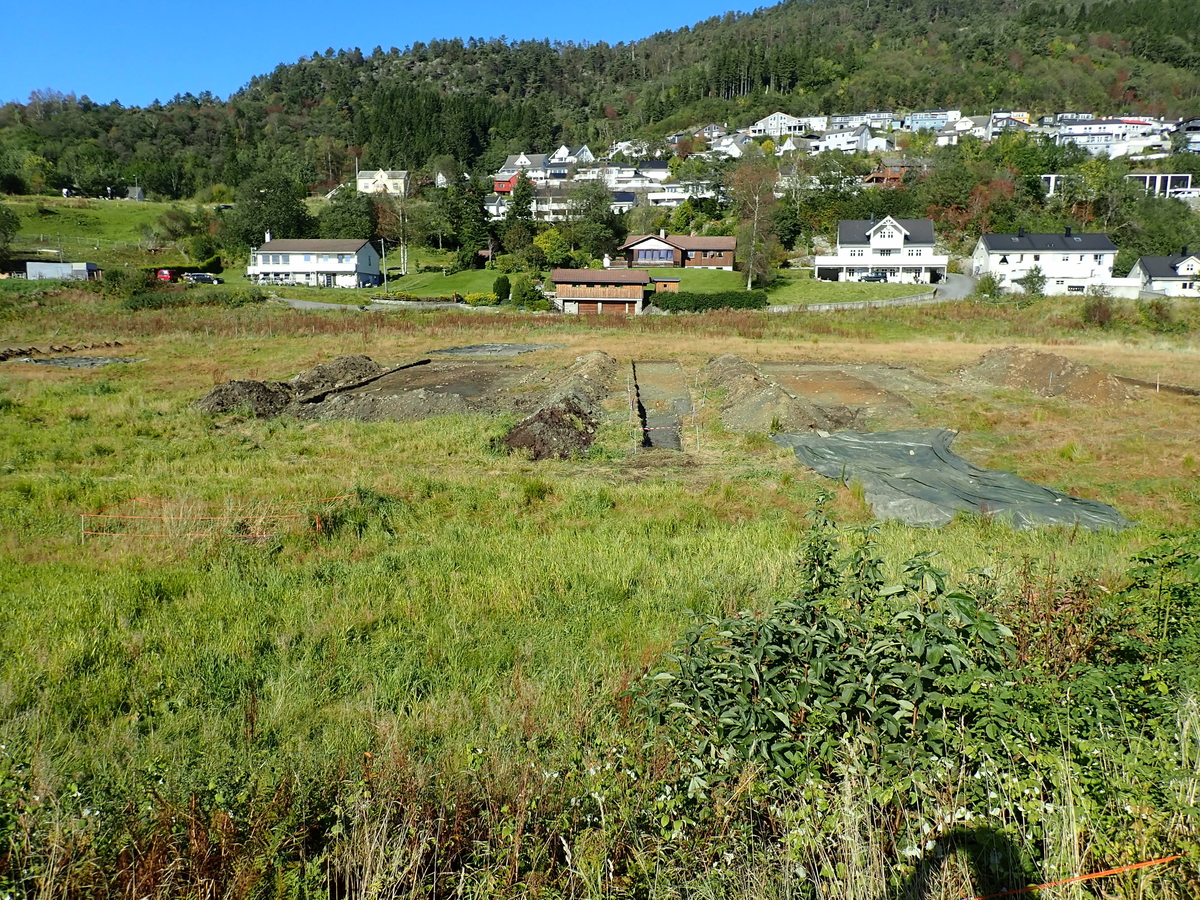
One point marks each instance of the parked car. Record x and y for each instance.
(874, 276)
(201, 278)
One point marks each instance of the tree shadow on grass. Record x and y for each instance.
(997, 865)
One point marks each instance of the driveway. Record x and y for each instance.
(956, 287)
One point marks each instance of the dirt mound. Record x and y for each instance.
(342, 372)
(1047, 375)
(264, 399)
(565, 425)
(752, 403)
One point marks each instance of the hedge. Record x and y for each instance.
(687, 301)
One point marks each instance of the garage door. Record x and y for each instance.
(589, 308)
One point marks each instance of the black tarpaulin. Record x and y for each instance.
(913, 476)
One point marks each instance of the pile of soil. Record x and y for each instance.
(343, 372)
(263, 398)
(565, 425)
(1047, 375)
(752, 403)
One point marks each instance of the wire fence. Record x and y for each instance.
(182, 518)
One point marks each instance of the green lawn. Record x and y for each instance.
(800, 288)
(703, 281)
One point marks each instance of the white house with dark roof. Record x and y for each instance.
(536, 166)
(1071, 263)
(1113, 137)
(572, 155)
(349, 263)
(382, 181)
(1176, 275)
(900, 250)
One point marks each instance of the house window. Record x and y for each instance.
(914, 251)
(1075, 289)
(883, 252)
(654, 254)
(692, 254)
(1099, 257)
(287, 259)
(1037, 257)
(264, 259)
(1004, 260)
(274, 259)
(856, 253)
(1066, 259)
(1061, 281)
(324, 257)
(308, 257)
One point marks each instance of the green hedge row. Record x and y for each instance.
(687, 301)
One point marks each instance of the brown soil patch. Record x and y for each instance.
(342, 372)
(1047, 375)
(439, 387)
(752, 403)
(565, 425)
(264, 399)
(834, 386)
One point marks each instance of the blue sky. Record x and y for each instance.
(139, 51)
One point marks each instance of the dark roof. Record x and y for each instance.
(1165, 267)
(306, 246)
(1054, 243)
(624, 197)
(852, 232)
(685, 241)
(653, 164)
(600, 276)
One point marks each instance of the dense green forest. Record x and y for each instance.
(473, 101)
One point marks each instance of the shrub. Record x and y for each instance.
(687, 301)
(125, 283)
(1159, 316)
(524, 291)
(501, 287)
(485, 299)
(1098, 308)
(989, 287)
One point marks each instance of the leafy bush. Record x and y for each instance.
(1159, 316)
(524, 292)
(1098, 308)
(501, 287)
(988, 287)
(200, 296)
(125, 283)
(484, 299)
(687, 301)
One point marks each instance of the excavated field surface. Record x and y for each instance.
(1047, 375)
(857, 387)
(438, 387)
(663, 398)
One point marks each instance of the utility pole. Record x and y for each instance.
(383, 248)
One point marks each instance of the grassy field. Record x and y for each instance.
(436, 681)
(800, 288)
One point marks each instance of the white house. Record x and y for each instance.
(382, 181)
(778, 124)
(1113, 137)
(731, 145)
(349, 263)
(851, 140)
(1071, 263)
(536, 166)
(1177, 275)
(876, 119)
(900, 250)
(572, 155)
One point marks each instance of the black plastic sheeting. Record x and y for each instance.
(913, 476)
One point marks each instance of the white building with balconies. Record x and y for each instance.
(901, 251)
(348, 264)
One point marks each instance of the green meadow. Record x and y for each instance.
(434, 684)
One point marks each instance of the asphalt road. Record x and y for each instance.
(956, 287)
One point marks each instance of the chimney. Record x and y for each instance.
(662, 233)
(1185, 250)
(1021, 231)
(268, 240)
(1068, 231)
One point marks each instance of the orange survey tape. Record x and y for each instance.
(1078, 878)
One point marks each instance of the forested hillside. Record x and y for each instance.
(474, 101)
